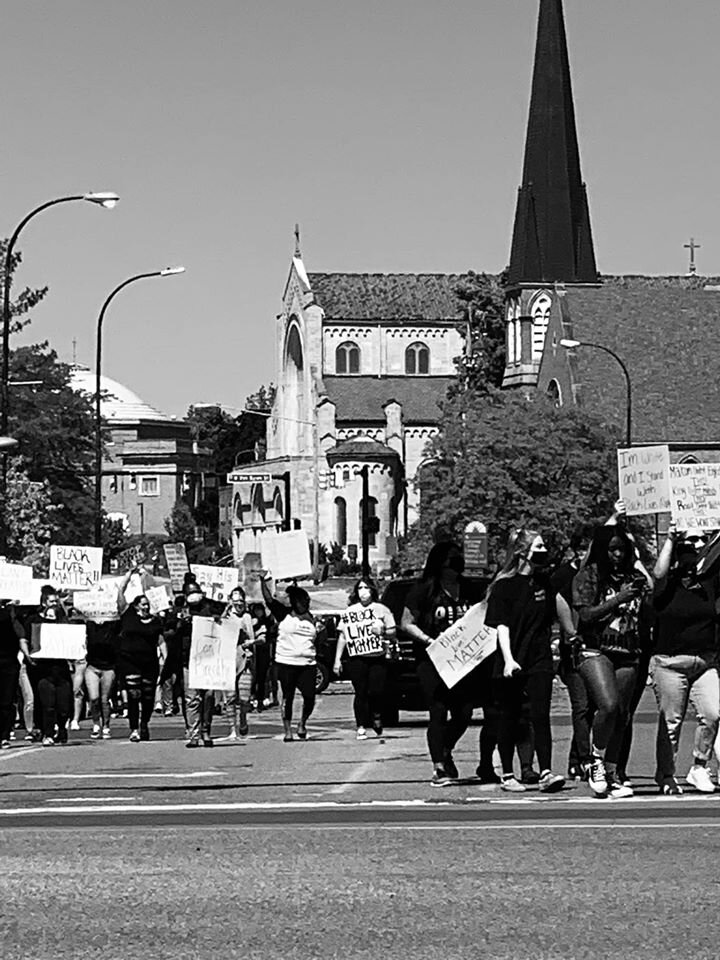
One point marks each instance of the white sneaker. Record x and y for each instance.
(617, 790)
(551, 782)
(106, 733)
(699, 778)
(361, 733)
(74, 725)
(512, 785)
(597, 780)
(95, 735)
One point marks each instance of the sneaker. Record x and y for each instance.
(48, 741)
(207, 742)
(168, 713)
(95, 735)
(617, 790)
(29, 737)
(440, 778)
(551, 782)
(191, 744)
(449, 764)
(699, 778)
(577, 772)
(106, 733)
(74, 725)
(530, 777)
(158, 708)
(5, 745)
(232, 737)
(597, 778)
(12, 735)
(144, 733)
(512, 785)
(361, 733)
(487, 776)
(670, 787)
(243, 731)
(135, 736)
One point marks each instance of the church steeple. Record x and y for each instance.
(552, 238)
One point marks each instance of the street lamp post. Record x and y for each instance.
(572, 344)
(166, 272)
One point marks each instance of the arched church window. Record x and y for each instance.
(540, 313)
(554, 392)
(689, 459)
(347, 358)
(278, 504)
(417, 359)
(341, 521)
(258, 505)
(371, 512)
(237, 507)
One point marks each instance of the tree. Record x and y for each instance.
(30, 519)
(483, 303)
(180, 525)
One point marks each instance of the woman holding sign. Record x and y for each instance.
(140, 639)
(366, 628)
(51, 675)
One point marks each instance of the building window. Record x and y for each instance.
(417, 359)
(132, 482)
(347, 358)
(341, 521)
(555, 393)
(149, 487)
(372, 513)
(540, 313)
(113, 486)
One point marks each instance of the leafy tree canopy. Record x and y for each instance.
(483, 362)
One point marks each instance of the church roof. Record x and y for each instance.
(118, 404)
(667, 332)
(552, 237)
(362, 399)
(387, 296)
(362, 448)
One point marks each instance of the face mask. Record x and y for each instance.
(457, 564)
(539, 558)
(194, 598)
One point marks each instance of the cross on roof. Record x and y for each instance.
(297, 240)
(692, 247)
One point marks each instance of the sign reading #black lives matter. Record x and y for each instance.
(361, 640)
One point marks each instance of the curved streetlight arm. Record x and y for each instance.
(571, 344)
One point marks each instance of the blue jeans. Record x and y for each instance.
(676, 680)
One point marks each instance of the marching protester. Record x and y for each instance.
(521, 605)
(172, 687)
(367, 629)
(442, 597)
(295, 654)
(12, 646)
(141, 641)
(200, 703)
(684, 664)
(52, 676)
(607, 593)
(238, 701)
(264, 689)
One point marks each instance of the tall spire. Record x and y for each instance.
(552, 238)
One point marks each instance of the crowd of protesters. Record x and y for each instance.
(618, 624)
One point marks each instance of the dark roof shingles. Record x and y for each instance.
(387, 296)
(361, 399)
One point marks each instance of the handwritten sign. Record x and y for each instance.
(59, 641)
(286, 554)
(212, 654)
(359, 626)
(464, 645)
(695, 495)
(24, 592)
(644, 479)
(159, 599)
(177, 564)
(217, 582)
(78, 568)
(15, 571)
(99, 604)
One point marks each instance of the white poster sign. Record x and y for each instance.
(24, 592)
(15, 571)
(287, 554)
(217, 582)
(101, 603)
(177, 564)
(695, 495)
(78, 568)
(212, 654)
(59, 641)
(644, 479)
(159, 599)
(358, 627)
(464, 645)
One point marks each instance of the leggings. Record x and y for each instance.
(99, 684)
(294, 678)
(141, 699)
(9, 673)
(512, 691)
(443, 734)
(610, 686)
(368, 676)
(55, 695)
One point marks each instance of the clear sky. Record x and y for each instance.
(392, 130)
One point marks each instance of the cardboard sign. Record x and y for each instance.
(26, 593)
(212, 654)
(15, 571)
(695, 495)
(250, 577)
(78, 568)
(644, 479)
(132, 557)
(358, 628)
(59, 641)
(217, 582)
(99, 604)
(159, 599)
(177, 564)
(287, 554)
(464, 645)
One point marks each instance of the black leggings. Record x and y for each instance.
(9, 674)
(610, 686)
(294, 678)
(141, 698)
(511, 692)
(443, 734)
(368, 676)
(56, 697)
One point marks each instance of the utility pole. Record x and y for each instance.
(364, 522)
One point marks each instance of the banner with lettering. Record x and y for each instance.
(217, 582)
(695, 495)
(358, 628)
(78, 568)
(212, 654)
(644, 479)
(59, 641)
(100, 604)
(464, 645)
(177, 564)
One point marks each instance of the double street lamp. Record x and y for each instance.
(166, 272)
(572, 344)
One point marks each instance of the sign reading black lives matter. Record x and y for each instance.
(464, 645)
(77, 568)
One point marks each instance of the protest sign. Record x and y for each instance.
(358, 627)
(644, 479)
(287, 554)
(250, 577)
(99, 604)
(58, 641)
(464, 645)
(177, 564)
(695, 495)
(78, 568)
(15, 571)
(217, 582)
(132, 557)
(212, 654)
(159, 599)
(25, 592)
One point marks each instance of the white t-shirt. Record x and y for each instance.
(296, 642)
(356, 624)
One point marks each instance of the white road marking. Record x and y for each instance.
(357, 775)
(89, 799)
(13, 754)
(125, 776)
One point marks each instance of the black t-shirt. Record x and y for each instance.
(526, 605)
(9, 643)
(561, 581)
(686, 618)
(139, 642)
(434, 609)
(47, 668)
(102, 644)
